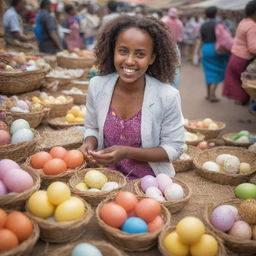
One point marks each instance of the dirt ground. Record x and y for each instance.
(194, 106)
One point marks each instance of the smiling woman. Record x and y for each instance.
(134, 122)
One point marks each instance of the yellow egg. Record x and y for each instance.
(36, 99)
(207, 245)
(46, 101)
(95, 179)
(78, 120)
(75, 110)
(190, 229)
(71, 209)
(81, 114)
(174, 246)
(58, 192)
(39, 205)
(81, 186)
(70, 118)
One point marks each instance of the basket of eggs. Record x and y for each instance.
(170, 192)
(94, 185)
(130, 222)
(59, 164)
(190, 237)
(18, 233)
(78, 95)
(208, 127)
(226, 165)
(234, 222)
(61, 216)
(193, 138)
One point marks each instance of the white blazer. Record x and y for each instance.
(162, 122)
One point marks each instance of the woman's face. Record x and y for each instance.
(133, 54)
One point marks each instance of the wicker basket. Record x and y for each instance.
(200, 136)
(61, 232)
(131, 242)
(209, 134)
(17, 200)
(58, 110)
(250, 90)
(229, 142)
(19, 82)
(79, 99)
(75, 63)
(247, 247)
(20, 151)
(46, 180)
(173, 207)
(186, 165)
(169, 229)
(25, 248)
(220, 177)
(61, 123)
(105, 248)
(80, 84)
(95, 198)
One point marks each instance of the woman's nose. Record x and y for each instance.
(130, 59)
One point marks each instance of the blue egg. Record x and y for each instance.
(135, 225)
(85, 249)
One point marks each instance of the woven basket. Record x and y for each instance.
(17, 200)
(25, 248)
(131, 242)
(80, 84)
(220, 177)
(57, 110)
(173, 207)
(200, 136)
(46, 180)
(209, 134)
(61, 123)
(247, 247)
(105, 248)
(19, 82)
(95, 198)
(75, 63)
(169, 229)
(229, 142)
(20, 151)
(250, 89)
(79, 99)
(248, 77)
(61, 232)
(186, 165)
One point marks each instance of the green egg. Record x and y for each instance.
(245, 191)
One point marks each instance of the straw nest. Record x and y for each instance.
(19, 82)
(209, 134)
(105, 248)
(24, 248)
(60, 123)
(229, 142)
(75, 63)
(200, 136)
(186, 165)
(17, 201)
(61, 109)
(244, 155)
(68, 138)
(169, 229)
(247, 247)
(175, 206)
(94, 198)
(20, 151)
(131, 242)
(61, 232)
(46, 180)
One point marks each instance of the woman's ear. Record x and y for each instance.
(152, 59)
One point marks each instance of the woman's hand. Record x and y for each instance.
(110, 155)
(87, 148)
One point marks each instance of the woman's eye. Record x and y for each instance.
(140, 54)
(122, 51)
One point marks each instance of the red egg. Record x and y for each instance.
(8, 240)
(127, 200)
(58, 152)
(39, 159)
(54, 166)
(73, 158)
(3, 126)
(3, 218)
(5, 137)
(155, 224)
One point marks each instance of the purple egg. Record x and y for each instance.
(164, 181)
(148, 181)
(5, 165)
(3, 189)
(223, 218)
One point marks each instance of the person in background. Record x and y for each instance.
(112, 12)
(46, 30)
(13, 26)
(133, 115)
(73, 39)
(214, 65)
(243, 51)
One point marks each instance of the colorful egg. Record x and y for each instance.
(73, 158)
(95, 179)
(135, 225)
(58, 192)
(86, 249)
(148, 181)
(127, 200)
(58, 152)
(6, 165)
(8, 240)
(39, 159)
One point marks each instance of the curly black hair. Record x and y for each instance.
(164, 47)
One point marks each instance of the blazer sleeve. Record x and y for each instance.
(172, 129)
(91, 120)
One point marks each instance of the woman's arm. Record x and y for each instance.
(251, 42)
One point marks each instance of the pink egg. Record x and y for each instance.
(163, 181)
(148, 181)
(17, 180)
(3, 189)
(6, 165)
(241, 230)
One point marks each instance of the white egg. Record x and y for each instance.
(220, 158)
(153, 191)
(231, 164)
(174, 192)
(22, 104)
(43, 96)
(110, 186)
(22, 135)
(18, 109)
(19, 124)
(211, 166)
(93, 190)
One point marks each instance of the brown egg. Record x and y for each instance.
(54, 166)
(3, 218)
(74, 158)
(8, 240)
(58, 152)
(39, 159)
